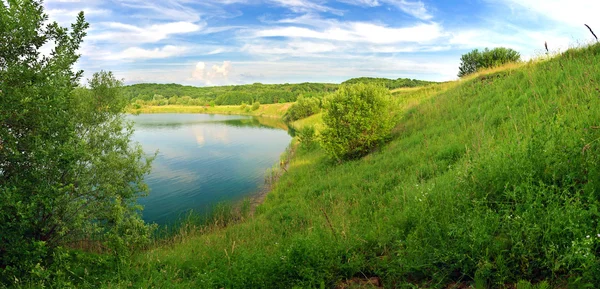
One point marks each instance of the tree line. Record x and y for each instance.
(177, 94)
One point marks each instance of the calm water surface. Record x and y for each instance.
(204, 159)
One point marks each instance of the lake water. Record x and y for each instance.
(205, 159)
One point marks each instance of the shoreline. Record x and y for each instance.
(275, 110)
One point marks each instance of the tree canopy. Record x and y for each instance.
(389, 83)
(68, 169)
(475, 60)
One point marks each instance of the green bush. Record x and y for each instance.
(357, 119)
(243, 106)
(304, 107)
(476, 60)
(255, 105)
(306, 136)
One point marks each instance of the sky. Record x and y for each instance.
(225, 42)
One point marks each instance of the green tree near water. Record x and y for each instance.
(68, 170)
(475, 60)
(357, 119)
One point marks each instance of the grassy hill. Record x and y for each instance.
(488, 181)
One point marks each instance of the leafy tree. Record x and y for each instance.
(389, 83)
(469, 63)
(304, 107)
(475, 60)
(357, 118)
(68, 171)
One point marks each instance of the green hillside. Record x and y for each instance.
(487, 182)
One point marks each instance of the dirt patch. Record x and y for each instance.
(359, 283)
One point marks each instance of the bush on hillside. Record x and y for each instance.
(255, 105)
(306, 136)
(476, 60)
(357, 119)
(304, 107)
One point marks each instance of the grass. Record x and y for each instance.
(265, 110)
(489, 182)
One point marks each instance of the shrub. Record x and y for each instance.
(357, 119)
(476, 60)
(304, 107)
(255, 105)
(243, 106)
(306, 136)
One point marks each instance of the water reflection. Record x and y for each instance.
(205, 159)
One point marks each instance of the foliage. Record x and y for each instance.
(389, 83)
(357, 118)
(225, 95)
(488, 182)
(67, 171)
(304, 107)
(475, 60)
(255, 105)
(306, 136)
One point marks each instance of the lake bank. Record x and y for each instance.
(275, 110)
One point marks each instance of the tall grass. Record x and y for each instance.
(490, 182)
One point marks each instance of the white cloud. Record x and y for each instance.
(215, 75)
(360, 32)
(67, 16)
(416, 9)
(141, 53)
(575, 12)
(295, 48)
(126, 33)
(304, 6)
(174, 10)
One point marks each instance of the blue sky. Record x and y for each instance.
(222, 42)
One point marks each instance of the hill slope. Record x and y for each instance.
(487, 182)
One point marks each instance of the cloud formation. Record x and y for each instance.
(217, 74)
(273, 41)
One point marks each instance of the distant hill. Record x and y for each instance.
(162, 94)
(228, 95)
(389, 83)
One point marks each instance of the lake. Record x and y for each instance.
(205, 159)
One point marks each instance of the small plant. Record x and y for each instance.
(357, 119)
(255, 105)
(243, 106)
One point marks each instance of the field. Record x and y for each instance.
(489, 182)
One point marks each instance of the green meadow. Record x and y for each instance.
(491, 181)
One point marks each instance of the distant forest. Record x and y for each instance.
(389, 83)
(164, 94)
